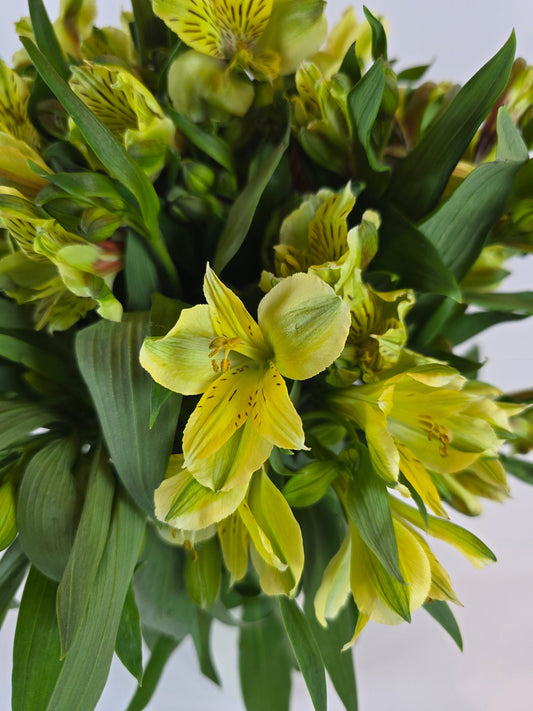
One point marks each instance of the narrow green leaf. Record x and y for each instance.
(161, 653)
(405, 251)
(91, 536)
(367, 504)
(19, 350)
(467, 326)
(166, 607)
(459, 228)
(112, 155)
(379, 38)
(350, 65)
(46, 38)
(500, 301)
(201, 628)
(440, 611)
(306, 651)
(311, 483)
(211, 145)
(140, 273)
(511, 145)
(36, 650)
(19, 419)
(108, 357)
(13, 567)
(264, 658)
(413, 74)
(520, 468)
(13, 316)
(243, 209)
(421, 177)
(84, 670)
(128, 646)
(48, 507)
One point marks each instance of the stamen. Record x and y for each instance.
(222, 343)
(436, 431)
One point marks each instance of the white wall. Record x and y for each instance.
(414, 667)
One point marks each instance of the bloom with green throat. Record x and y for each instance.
(239, 365)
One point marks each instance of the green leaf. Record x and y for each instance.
(264, 658)
(36, 650)
(20, 350)
(13, 316)
(161, 653)
(150, 31)
(243, 209)
(379, 38)
(140, 273)
(12, 570)
(367, 505)
(413, 74)
(404, 250)
(211, 145)
(306, 651)
(467, 326)
(499, 301)
(46, 38)
(128, 646)
(422, 176)
(440, 611)
(520, 468)
(201, 627)
(19, 419)
(108, 150)
(459, 227)
(511, 145)
(48, 506)
(311, 483)
(108, 357)
(84, 670)
(91, 536)
(165, 608)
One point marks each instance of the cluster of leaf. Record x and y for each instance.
(86, 435)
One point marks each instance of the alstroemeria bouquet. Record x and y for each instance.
(237, 255)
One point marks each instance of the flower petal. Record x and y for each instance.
(234, 462)
(180, 360)
(335, 585)
(233, 536)
(274, 415)
(305, 323)
(231, 319)
(183, 503)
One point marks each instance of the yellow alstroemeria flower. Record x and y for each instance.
(426, 419)
(219, 350)
(265, 37)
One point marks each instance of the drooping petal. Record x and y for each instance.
(234, 462)
(420, 479)
(305, 323)
(223, 409)
(234, 537)
(274, 415)
(180, 360)
(183, 503)
(232, 320)
(335, 585)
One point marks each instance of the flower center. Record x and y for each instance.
(436, 431)
(218, 344)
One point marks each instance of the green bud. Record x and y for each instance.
(198, 178)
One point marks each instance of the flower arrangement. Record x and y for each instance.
(238, 254)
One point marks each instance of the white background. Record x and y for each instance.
(413, 667)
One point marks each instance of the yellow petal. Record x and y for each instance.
(305, 323)
(260, 540)
(329, 228)
(183, 503)
(420, 479)
(231, 319)
(234, 462)
(274, 415)
(335, 585)
(180, 360)
(233, 536)
(223, 409)
(14, 97)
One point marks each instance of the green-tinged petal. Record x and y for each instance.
(14, 97)
(328, 229)
(274, 415)
(441, 585)
(234, 462)
(275, 518)
(180, 360)
(223, 408)
(183, 503)
(466, 543)
(231, 319)
(14, 169)
(305, 323)
(335, 585)
(420, 479)
(260, 540)
(233, 536)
